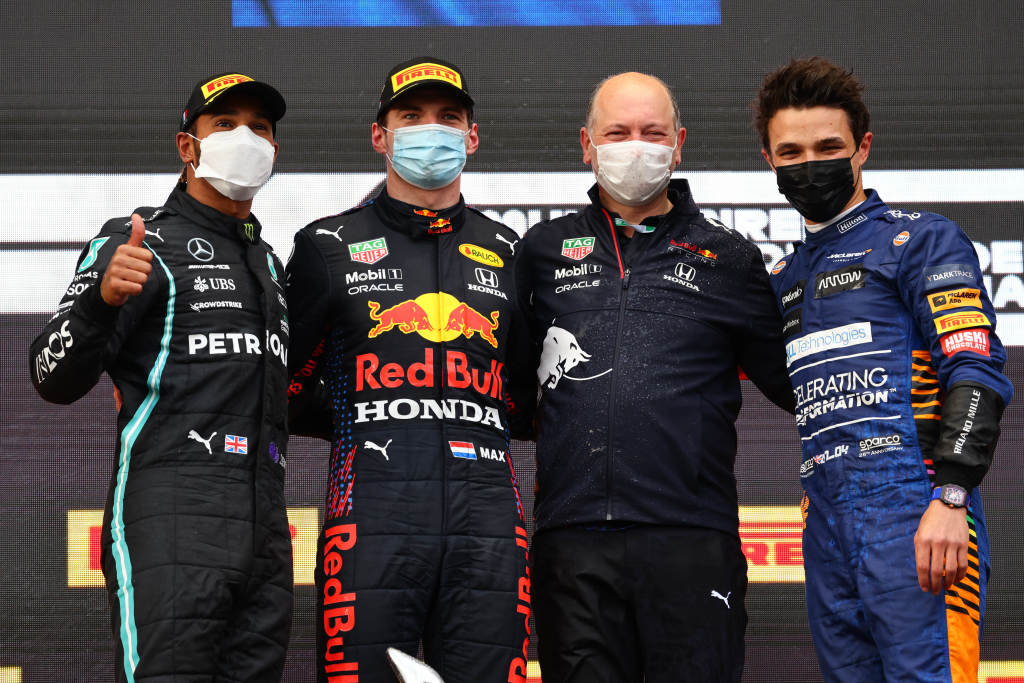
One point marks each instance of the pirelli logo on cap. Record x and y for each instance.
(954, 298)
(211, 88)
(958, 321)
(425, 72)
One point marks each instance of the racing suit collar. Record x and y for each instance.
(416, 221)
(869, 208)
(678, 194)
(181, 202)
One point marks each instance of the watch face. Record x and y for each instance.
(954, 495)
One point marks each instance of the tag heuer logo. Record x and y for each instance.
(577, 248)
(369, 251)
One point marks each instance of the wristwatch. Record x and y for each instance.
(952, 495)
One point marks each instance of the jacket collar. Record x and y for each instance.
(417, 222)
(182, 203)
(871, 207)
(678, 194)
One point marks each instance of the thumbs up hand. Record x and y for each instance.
(129, 267)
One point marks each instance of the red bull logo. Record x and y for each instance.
(468, 321)
(436, 316)
(407, 316)
(693, 249)
(438, 226)
(425, 212)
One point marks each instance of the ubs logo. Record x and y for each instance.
(488, 278)
(200, 249)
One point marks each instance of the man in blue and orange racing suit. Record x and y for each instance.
(407, 308)
(896, 371)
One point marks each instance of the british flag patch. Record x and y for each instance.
(236, 444)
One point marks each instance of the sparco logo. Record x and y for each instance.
(793, 295)
(577, 271)
(840, 280)
(879, 443)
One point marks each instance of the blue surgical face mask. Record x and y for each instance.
(429, 156)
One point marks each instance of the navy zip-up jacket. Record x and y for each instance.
(641, 340)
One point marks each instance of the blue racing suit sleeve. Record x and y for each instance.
(940, 280)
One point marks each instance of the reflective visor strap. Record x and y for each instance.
(119, 549)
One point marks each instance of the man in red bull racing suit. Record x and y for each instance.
(182, 306)
(407, 308)
(896, 371)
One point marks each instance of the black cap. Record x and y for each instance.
(209, 89)
(419, 72)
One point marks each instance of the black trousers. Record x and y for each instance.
(653, 604)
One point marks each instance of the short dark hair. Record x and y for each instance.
(811, 82)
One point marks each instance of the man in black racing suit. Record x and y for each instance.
(407, 308)
(182, 307)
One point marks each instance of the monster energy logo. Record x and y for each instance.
(250, 232)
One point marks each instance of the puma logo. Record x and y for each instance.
(383, 449)
(321, 231)
(156, 234)
(511, 245)
(194, 435)
(723, 598)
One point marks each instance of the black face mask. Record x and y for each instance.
(819, 190)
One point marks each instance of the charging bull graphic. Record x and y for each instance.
(560, 354)
(408, 316)
(467, 321)
(437, 316)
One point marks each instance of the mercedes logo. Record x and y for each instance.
(200, 249)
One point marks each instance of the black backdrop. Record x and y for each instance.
(90, 90)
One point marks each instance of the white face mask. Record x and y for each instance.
(236, 162)
(633, 172)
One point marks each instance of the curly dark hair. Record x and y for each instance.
(811, 82)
